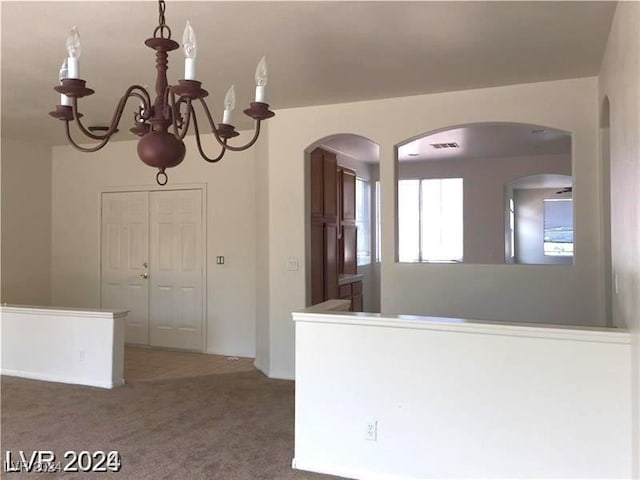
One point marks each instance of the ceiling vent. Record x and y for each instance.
(445, 145)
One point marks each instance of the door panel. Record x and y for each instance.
(331, 261)
(176, 269)
(125, 244)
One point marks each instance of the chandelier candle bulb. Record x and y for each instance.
(190, 50)
(73, 50)
(229, 105)
(261, 80)
(62, 74)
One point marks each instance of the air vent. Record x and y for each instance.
(445, 145)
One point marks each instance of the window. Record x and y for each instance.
(430, 222)
(558, 227)
(378, 225)
(363, 221)
(512, 228)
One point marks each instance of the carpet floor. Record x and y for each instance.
(235, 426)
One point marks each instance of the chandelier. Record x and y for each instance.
(163, 123)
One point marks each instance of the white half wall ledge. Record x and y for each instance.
(66, 345)
(459, 398)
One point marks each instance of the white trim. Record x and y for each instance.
(61, 379)
(559, 332)
(346, 472)
(261, 367)
(63, 311)
(281, 376)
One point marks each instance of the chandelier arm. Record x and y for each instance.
(117, 115)
(222, 141)
(78, 147)
(212, 124)
(174, 108)
(250, 143)
(199, 144)
(144, 97)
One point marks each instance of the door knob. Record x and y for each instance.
(144, 275)
(145, 265)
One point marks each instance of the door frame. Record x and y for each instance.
(202, 187)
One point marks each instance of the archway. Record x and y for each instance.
(451, 189)
(341, 208)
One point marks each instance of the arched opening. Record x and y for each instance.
(451, 201)
(342, 177)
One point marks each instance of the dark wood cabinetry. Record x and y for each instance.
(352, 291)
(333, 228)
(347, 220)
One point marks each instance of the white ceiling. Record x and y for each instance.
(317, 52)
(488, 140)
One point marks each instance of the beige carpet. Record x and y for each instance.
(235, 426)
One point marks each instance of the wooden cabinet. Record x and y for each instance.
(347, 234)
(324, 226)
(352, 292)
(333, 228)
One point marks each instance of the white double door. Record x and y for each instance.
(153, 265)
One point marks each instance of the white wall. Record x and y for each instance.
(485, 180)
(620, 82)
(26, 222)
(460, 399)
(499, 292)
(262, 333)
(78, 179)
(63, 345)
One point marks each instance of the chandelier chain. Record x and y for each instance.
(161, 8)
(162, 25)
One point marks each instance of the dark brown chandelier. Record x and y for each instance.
(163, 124)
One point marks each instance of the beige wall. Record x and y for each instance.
(79, 178)
(26, 223)
(498, 292)
(620, 82)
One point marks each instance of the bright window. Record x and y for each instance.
(512, 228)
(558, 227)
(363, 221)
(378, 225)
(430, 221)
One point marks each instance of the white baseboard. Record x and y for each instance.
(46, 377)
(345, 471)
(281, 376)
(260, 367)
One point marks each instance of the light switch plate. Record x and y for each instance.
(292, 264)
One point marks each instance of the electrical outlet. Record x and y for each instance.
(371, 430)
(220, 260)
(292, 264)
(82, 355)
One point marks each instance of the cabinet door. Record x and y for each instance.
(330, 261)
(317, 262)
(348, 196)
(317, 183)
(356, 297)
(349, 246)
(330, 199)
(356, 303)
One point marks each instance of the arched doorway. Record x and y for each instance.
(342, 188)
